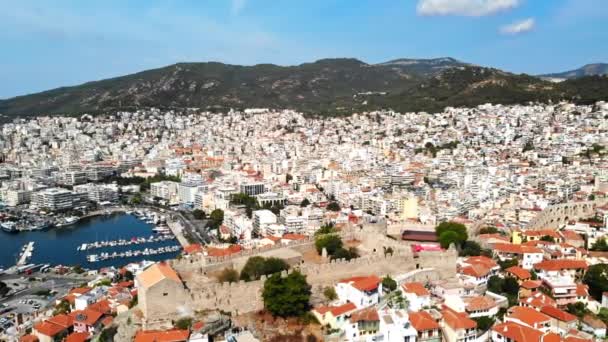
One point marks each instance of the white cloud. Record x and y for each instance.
(471, 8)
(518, 27)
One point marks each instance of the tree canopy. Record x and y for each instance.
(333, 206)
(459, 228)
(597, 280)
(331, 242)
(258, 266)
(389, 284)
(288, 296)
(470, 248)
(216, 218)
(448, 238)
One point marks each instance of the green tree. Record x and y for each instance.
(333, 206)
(330, 293)
(288, 296)
(448, 238)
(330, 242)
(228, 275)
(495, 284)
(600, 245)
(470, 248)
(258, 266)
(199, 214)
(62, 308)
(459, 228)
(137, 199)
(508, 263)
(183, 323)
(343, 253)
(305, 203)
(547, 238)
(578, 309)
(597, 280)
(107, 334)
(216, 218)
(389, 284)
(510, 286)
(326, 229)
(484, 323)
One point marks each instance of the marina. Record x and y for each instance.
(59, 245)
(124, 242)
(132, 253)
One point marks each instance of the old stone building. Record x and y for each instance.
(162, 296)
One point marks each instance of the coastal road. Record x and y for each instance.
(199, 233)
(55, 283)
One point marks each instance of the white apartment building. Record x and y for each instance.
(261, 220)
(56, 199)
(98, 192)
(165, 189)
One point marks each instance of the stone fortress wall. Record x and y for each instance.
(556, 215)
(245, 297)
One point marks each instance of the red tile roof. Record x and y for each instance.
(416, 288)
(457, 320)
(48, 329)
(366, 315)
(102, 306)
(531, 284)
(218, 252)
(517, 332)
(62, 320)
(422, 321)
(290, 236)
(162, 336)
(29, 338)
(483, 260)
(476, 270)
(519, 272)
(527, 315)
(77, 337)
(561, 264)
(193, 248)
(86, 316)
(363, 283)
(80, 290)
(336, 310)
(538, 300)
(515, 249)
(582, 290)
(558, 314)
(479, 303)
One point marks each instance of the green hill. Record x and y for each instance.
(328, 86)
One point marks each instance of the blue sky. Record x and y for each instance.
(47, 44)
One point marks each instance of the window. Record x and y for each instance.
(165, 294)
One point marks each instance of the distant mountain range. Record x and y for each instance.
(586, 70)
(327, 87)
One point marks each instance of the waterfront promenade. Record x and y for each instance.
(178, 230)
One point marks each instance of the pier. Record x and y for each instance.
(130, 254)
(26, 253)
(177, 230)
(124, 242)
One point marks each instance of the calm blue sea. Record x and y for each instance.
(57, 246)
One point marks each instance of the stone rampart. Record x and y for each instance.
(244, 297)
(556, 215)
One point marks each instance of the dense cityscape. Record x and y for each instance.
(472, 224)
